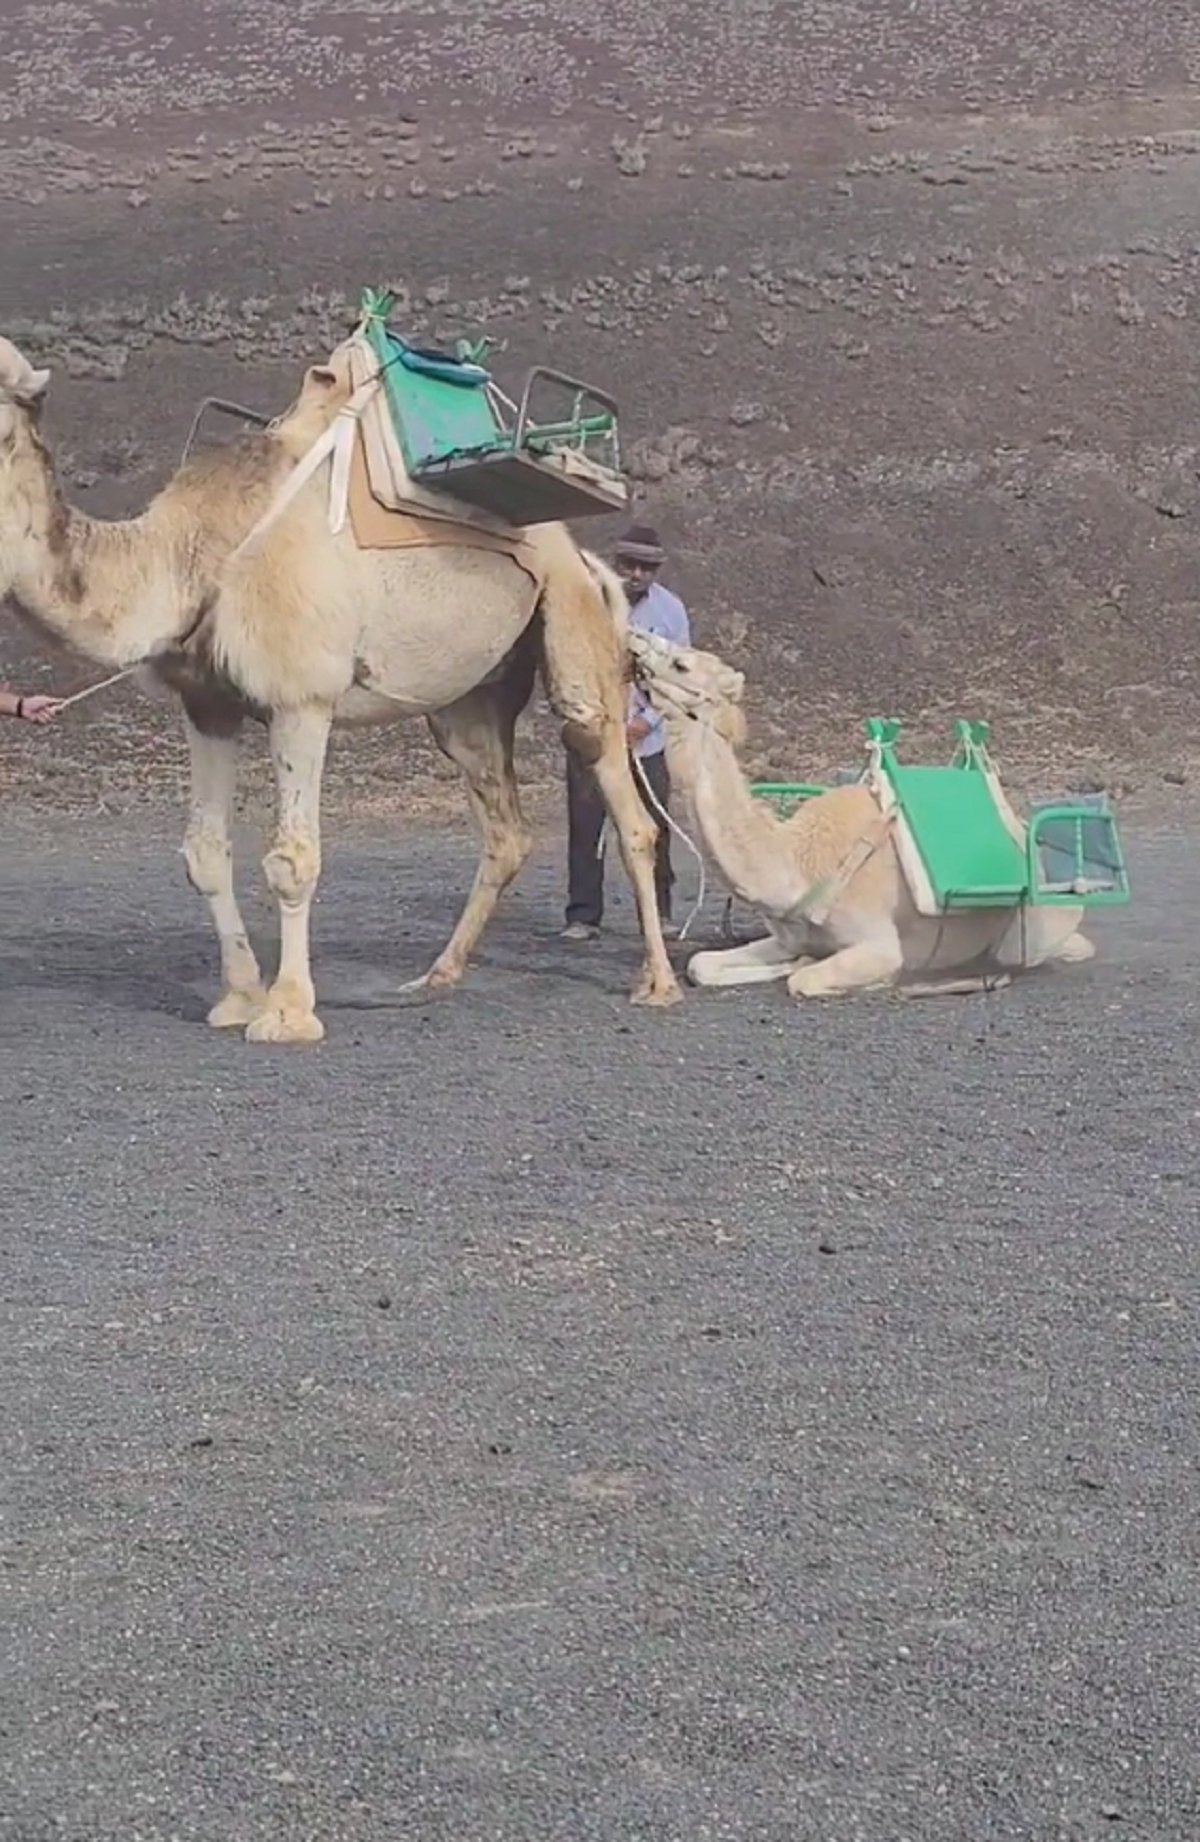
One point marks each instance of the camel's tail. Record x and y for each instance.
(612, 591)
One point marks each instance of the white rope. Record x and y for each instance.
(77, 697)
(338, 441)
(657, 806)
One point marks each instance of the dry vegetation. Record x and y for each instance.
(897, 319)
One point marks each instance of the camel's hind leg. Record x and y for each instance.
(299, 739)
(585, 670)
(1075, 949)
(213, 733)
(477, 733)
(637, 835)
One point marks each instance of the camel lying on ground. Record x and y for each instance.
(828, 882)
(244, 600)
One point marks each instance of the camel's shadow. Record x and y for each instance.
(174, 971)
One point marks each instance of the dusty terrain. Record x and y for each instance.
(524, 1419)
(899, 301)
(528, 1418)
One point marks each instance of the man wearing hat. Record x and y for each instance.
(639, 556)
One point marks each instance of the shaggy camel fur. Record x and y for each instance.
(828, 882)
(283, 632)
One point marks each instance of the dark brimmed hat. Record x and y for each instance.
(640, 544)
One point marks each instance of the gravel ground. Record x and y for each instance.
(750, 1422)
(528, 1418)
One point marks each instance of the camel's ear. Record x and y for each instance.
(321, 378)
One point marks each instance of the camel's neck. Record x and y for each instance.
(741, 836)
(115, 591)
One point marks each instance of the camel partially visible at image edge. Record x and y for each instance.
(300, 629)
(828, 883)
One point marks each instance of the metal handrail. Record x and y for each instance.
(226, 408)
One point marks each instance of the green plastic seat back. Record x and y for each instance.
(968, 853)
(438, 407)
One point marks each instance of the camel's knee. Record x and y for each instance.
(643, 833)
(634, 826)
(207, 859)
(506, 853)
(711, 967)
(583, 733)
(291, 868)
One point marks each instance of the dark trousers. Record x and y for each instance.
(586, 813)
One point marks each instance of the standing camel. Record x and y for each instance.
(286, 629)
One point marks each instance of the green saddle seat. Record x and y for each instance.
(970, 857)
(438, 404)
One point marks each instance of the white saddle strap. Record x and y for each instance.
(338, 441)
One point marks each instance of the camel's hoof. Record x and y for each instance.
(430, 985)
(236, 1009)
(654, 995)
(276, 1026)
(444, 977)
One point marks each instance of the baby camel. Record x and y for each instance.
(828, 882)
(304, 629)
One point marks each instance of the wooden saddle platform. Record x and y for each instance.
(461, 436)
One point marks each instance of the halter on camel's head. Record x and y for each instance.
(685, 684)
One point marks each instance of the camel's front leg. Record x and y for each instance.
(873, 961)
(208, 855)
(299, 739)
(754, 963)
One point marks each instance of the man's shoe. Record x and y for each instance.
(671, 930)
(579, 930)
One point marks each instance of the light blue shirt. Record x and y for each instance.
(662, 613)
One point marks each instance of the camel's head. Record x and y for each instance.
(22, 455)
(22, 389)
(325, 389)
(686, 685)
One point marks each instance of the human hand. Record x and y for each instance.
(636, 731)
(39, 709)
